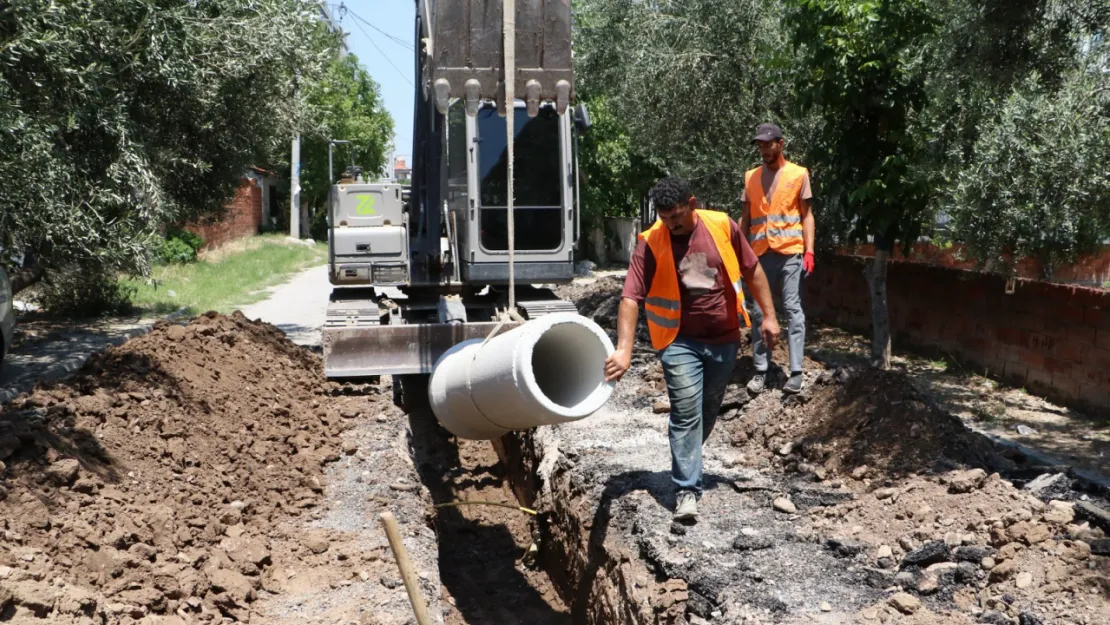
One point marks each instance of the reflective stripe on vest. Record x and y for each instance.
(776, 224)
(663, 305)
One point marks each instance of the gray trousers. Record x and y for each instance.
(784, 273)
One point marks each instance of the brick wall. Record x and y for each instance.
(1091, 270)
(1052, 339)
(242, 219)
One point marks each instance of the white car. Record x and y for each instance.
(7, 316)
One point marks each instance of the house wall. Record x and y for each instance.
(242, 219)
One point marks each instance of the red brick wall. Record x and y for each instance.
(1052, 339)
(242, 219)
(1093, 269)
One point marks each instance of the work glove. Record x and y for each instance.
(807, 263)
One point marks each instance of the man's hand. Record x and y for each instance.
(770, 330)
(617, 364)
(807, 262)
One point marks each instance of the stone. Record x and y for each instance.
(1024, 580)
(987, 563)
(350, 447)
(1003, 571)
(316, 544)
(744, 542)
(885, 493)
(660, 407)
(871, 614)
(928, 584)
(965, 481)
(1059, 512)
(1049, 486)
(860, 472)
(826, 606)
(973, 553)
(782, 504)
(845, 548)
(929, 553)
(1100, 547)
(884, 552)
(1030, 533)
(1093, 513)
(38, 597)
(966, 572)
(994, 618)
(905, 603)
(1028, 618)
(234, 584)
(941, 568)
(63, 472)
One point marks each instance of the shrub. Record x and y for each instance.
(180, 246)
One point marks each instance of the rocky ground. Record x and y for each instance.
(862, 501)
(206, 473)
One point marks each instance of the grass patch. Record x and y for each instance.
(231, 277)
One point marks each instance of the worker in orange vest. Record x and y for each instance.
(686, 271)
(778, 222)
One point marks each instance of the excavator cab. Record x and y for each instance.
(427, 266)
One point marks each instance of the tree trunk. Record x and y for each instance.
(880, 314)
(30, 273)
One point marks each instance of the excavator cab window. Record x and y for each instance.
(538, 212)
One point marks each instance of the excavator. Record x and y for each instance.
(474, 245)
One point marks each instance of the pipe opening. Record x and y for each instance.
(568, 362)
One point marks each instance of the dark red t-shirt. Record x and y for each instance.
(708, 301)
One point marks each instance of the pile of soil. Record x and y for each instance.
(146, 486)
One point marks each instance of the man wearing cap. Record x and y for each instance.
(778, 223)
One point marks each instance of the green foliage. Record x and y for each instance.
(180, 246)
(862, 73)
(689, 81)
(79, 291)
(350, 107)
(614, 175)
(1037, 183)
(118, 117)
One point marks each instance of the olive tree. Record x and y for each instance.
(118, 117)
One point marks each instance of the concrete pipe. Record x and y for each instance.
(548, 370)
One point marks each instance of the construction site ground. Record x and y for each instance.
(207, 472)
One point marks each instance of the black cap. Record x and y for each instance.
(767, 132)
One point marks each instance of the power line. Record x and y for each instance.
(401, 42)
(384, 56)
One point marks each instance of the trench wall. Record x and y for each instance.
(1052, 339)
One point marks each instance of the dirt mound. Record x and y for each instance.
(147, 484)
(866, 420)
(601, 301)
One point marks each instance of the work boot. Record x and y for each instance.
(755, 385)
(794, 384)
(687, 506)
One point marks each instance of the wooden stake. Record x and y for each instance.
(408, 576)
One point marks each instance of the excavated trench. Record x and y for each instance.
(504, 565)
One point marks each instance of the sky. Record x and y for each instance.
(389, 62)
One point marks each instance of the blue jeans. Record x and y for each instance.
(696, 374)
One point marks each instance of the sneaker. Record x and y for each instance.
(755, 385)
(794, 384)
(687, 506)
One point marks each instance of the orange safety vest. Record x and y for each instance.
(776, 224)
(663, 306)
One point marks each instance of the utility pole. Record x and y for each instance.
(295, 190)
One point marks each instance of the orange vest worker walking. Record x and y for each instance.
(687, 272)
(779, 225)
